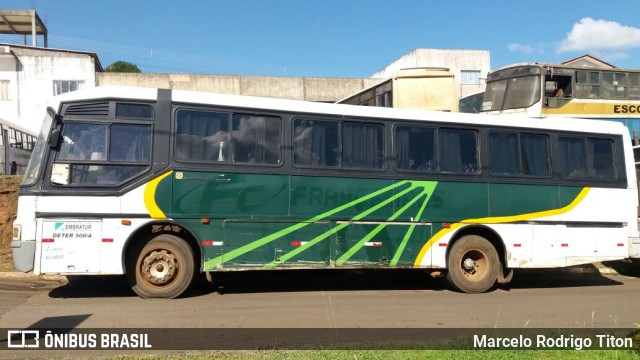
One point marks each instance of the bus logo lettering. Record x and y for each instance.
(626, 109)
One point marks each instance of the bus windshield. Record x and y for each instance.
(33, 169)
(513, 93)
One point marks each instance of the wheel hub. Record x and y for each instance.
(159, 267)
(469, 264)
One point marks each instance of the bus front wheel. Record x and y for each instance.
(473, 264)
(163, 268)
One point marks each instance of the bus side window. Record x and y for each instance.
(256, 139)
(202, 136)
(601, 153)
(315, 142)
(573, 157)
(458, 151)
(557, 90)
(415, 148)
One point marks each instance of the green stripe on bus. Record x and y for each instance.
(428, 188)
(403, 244)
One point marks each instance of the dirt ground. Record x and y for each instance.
(8, 204)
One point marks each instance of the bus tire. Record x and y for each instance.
(473, 265)
(163, 268)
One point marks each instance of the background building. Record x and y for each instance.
(469, 67)
(30, 76)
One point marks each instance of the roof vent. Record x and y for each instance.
(95, 109)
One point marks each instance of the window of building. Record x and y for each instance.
(65, 86)
(470, 77)
(4, 90)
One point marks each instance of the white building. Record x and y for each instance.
(30, 76)
(470, 67)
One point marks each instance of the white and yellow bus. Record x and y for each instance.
(542, 90)
(163, 184)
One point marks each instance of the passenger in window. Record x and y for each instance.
(471, 168)
(426, 165)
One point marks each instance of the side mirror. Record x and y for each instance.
(54, 139)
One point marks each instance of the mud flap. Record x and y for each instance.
(504, 275)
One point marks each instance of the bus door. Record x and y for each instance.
(70, 246)
(380, 243)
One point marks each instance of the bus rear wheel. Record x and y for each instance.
(163, 268)
(473, 265)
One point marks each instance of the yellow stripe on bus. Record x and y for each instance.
(150, 197)
(589, 109)
(500, 220)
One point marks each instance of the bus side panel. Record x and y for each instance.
(282, 244)
(511, 200)
(70, 246)
(380, 243)
(342, 199)
(226, 195)
(454, 201)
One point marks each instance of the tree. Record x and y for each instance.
(123, 66)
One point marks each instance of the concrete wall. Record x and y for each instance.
(296, 88)
(455, 60)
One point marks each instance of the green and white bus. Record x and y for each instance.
(160, 185)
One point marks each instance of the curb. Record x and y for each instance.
(31, 276)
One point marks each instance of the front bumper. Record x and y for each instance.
(24, 254)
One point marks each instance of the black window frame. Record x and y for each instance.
(229, 115)
(521, 156)
(382, 156)
(144, 166)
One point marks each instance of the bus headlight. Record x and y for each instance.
(17, 232)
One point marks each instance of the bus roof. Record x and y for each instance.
(564, 66)
(13, 125)
(311, 108)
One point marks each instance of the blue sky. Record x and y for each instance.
(333, 38)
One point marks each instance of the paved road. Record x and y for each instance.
(327, 299)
